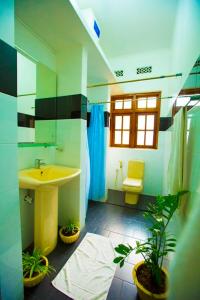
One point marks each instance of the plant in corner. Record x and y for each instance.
(35, 268)
(69, 233)
(149, 275)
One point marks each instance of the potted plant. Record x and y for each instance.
(69, 233)
(149, 275)
(35, 268)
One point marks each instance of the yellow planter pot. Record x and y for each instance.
(33, 281)
(144, 293)
(69, 239)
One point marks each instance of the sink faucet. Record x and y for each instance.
(38, 163)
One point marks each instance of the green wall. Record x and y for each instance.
(11, 283)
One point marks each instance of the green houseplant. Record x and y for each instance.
(35, 267)
(149, 275)
(69, 233)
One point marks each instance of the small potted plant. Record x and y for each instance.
(149, 275)
(69, 233)
(35, 268)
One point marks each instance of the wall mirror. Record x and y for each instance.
(36, 86)
(190, 93)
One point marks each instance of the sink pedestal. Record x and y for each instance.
(46, 218)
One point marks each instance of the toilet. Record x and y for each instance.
(133, 184)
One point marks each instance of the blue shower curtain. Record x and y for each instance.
(87, 172)
(96, 141)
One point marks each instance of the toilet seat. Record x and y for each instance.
(133, 182)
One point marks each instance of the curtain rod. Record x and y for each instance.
(160, 98)
(134, 80)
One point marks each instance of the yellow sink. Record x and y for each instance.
(46, 175)
(45, 181)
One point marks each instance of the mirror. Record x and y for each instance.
(190, 93)
(36, 86)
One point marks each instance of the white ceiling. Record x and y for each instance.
(131, 26)
(58, 25)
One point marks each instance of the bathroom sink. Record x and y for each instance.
(45, 181)
(46, 175)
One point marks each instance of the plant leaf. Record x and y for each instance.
(121, 263)
(118, 259)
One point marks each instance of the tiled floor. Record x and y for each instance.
(117, 197)
(120, 224)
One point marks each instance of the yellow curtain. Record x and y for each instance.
(177, 162)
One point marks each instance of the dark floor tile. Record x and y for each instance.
(116, 238)
(125, 273)
(115, 289)
(129, 291)
(103, 232)
(135, 229)
(120, 224)
(57, 295)
(118, 198)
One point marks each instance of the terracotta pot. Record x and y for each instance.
(35, 280)
(68, 239)
(142, 291)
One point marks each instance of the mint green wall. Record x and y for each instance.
(72, 71)
(45, 81)
(154, 165)
(186, 42)
(11, 283)
(7, 21)
(71, 134)
(71, 138)
(45, 131)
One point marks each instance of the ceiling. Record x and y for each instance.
(131, 26)
(58, 25)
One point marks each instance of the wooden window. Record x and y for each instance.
(135, 120)
(122, 129)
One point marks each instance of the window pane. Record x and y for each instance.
(127, 104)
(140, 138)
(118, 122)
(126, 122)
(150, 122)
(141, 122)
(118, 104)
(151, 102)
(118, 137)
(149, 138)
(125, 139)
(141, 103)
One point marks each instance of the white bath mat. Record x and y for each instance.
(88, 273)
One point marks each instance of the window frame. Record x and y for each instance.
(134, 112)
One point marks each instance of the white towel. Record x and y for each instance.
(88, 273)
